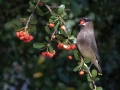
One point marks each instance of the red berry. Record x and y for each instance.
(54, 52)
(81, 72)
(31, 37)
(63, 27)
(21, 38)
(17, 34)
(82, 22)
(60, 45)
(73, 46)
(66, 47)
(51, 25)
(26, 40)
(53, 36)
(21, 33)
(27, 36)
(44, 54)
(70, 57)
(50, 55)
(40, 3)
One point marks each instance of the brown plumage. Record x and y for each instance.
(86, 42)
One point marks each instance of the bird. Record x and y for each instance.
(86, 42)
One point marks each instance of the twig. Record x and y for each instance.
(31, 16)
(48, 7)
(89, 74)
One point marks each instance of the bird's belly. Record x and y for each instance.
(87, 52)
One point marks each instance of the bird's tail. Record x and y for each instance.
(98, 66)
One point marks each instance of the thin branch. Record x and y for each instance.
(82, 60)
(31, 16)
(48, 7)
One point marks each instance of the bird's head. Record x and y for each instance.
(85, 22)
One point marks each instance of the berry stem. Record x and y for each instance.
(28, 21)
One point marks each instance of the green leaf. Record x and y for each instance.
(61, 9)
(31, 28)
(56, 26)
(76, 68)
(50, 49)
(63, 33)
(47, 38)
(32, 7)
(23, 19)
(35, 1)
(89, 78)
(86, 60)
(17, 28)
(47, 29)
(39, 45)
(39, 11)
(69, 31)
(59, 37)
(33, 20)
(91, 86)
(52, 19)
(45, 0)
(94, 73)
(99, 88)
(71, 37)
(96, 79)
(53, 14)
(77, 57)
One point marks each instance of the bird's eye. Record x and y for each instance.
(87, 20)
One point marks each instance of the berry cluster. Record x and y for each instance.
(66, 47)
(48, 54)
(23, 35)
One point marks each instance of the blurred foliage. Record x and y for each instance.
(22, 67)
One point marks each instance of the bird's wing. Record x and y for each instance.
(93, 45)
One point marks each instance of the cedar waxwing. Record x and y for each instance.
(86, 42)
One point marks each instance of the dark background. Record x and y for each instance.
(22, 67)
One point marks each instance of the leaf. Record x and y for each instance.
(32, 7)
(63, 33)
(91, 86)
(71, 37)
(50, 49)
(89, 78)
(53, 14)
(76, 68)
(17, 28)
(56, 26)
(31, 28)
(23, 19)
(59, 37)
(45, 0)
(47, 29)
(61, 9)
(39, 11)
(33, 20)
(69, 31)
(94, 73)
(47, 38)
(39, 45)
(96, 79)
(75, 52)
(86, 60)
(99, 88)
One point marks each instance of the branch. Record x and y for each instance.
(48, 7)
(31, 16)
(82, 60)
